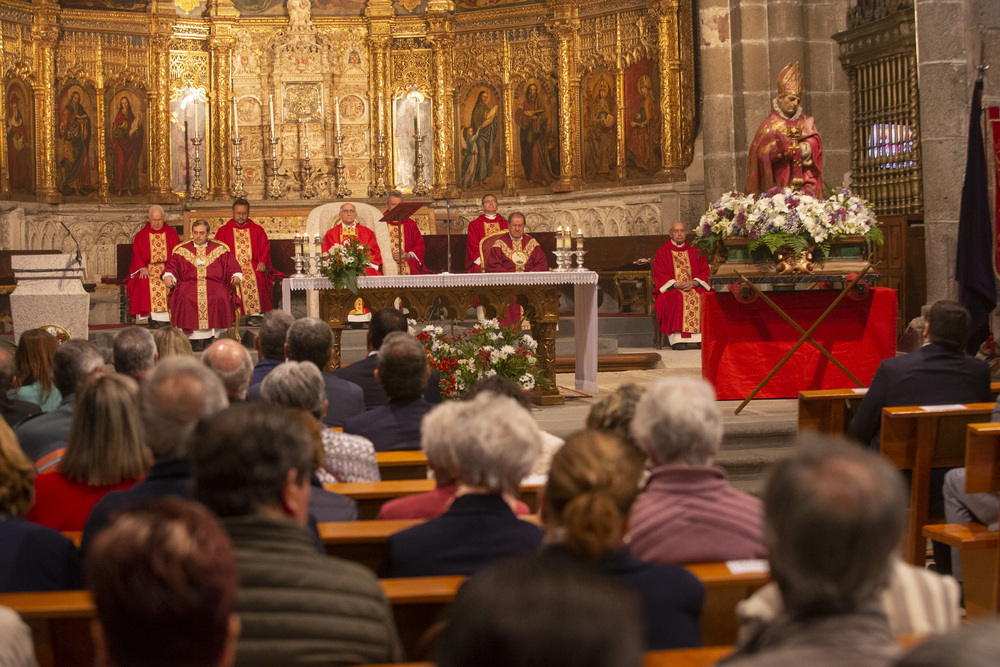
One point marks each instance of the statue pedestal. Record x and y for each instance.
(49, 291)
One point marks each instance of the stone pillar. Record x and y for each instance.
(677, 102)
(439, 28)
(827, 94)
(565, 26)
(46, 35)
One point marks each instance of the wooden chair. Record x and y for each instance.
(370, 496)
(978, 546)
(402, 465)
(918, 439)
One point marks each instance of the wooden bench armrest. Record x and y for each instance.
(962, 535)
(421, 590)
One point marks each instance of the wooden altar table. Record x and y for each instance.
(536, 292)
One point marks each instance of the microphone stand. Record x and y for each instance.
(79, 255)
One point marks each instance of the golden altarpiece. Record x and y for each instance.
(132, 102)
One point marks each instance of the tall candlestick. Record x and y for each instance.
(336, 105)
(379, 111)
(305, 137)
(416, 121)
(236, 122)
(196, 118)
(271, 103)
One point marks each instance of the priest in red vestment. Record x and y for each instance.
(412, 243)
(787, 150)
(348, 227)
(250, 246)
(201, 273)
(515, 251)
(487, 224)
(680, 274)
(151, 247)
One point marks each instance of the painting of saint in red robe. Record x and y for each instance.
(127, 138)
(20, 139)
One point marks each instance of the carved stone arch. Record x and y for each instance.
(645, 221)
(591, 221)
(617, 220)
(539, 221)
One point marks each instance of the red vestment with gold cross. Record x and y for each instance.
(479, 229)
(413, 241)
(679, 311)
(509, 256)
(250, 247)
(150, 250)
(340, 231)
(203, 297)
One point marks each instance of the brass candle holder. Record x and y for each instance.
(342, 190)
(274, 187)
(379, 188)
(237, 191)
(195, 191)
(420, 187)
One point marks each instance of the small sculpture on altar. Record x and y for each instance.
(787, 150)
(299, 14)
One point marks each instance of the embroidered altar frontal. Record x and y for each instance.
(741, 343)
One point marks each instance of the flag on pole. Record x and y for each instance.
(974, 261)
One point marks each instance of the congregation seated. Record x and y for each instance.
(346, 458)
(171, 341)
(164, 581)
(592, 484)
(75, 362)
(270, 345)
(105, 452)
(500, 442)
(973, 645)
(687, 511)
(613, 414)
(835, 515)
(445, 445)
(538, 611)
(133, 352)
(362, 373)
(178, 393)
(34, 359)
(297, 606)
(402, 371)
(310, 339)
(12, 410)
(232, 363)
(32, 557)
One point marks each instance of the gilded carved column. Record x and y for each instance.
(676, 88)
(222, 18)
(509, 180)
(379, 14)
(565, 27)
(160, 176)
(101, 131)
(439, 35)
(46, 34)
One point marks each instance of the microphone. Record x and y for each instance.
(79, 255)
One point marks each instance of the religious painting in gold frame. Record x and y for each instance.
(20, 131)
(480, 138)
(128, 140)
(643, 155)
(536, 146)
(76, 140)
(600, 126)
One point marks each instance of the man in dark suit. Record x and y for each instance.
(362, 373)
(940, 372)
(402, 372)
(310, 339)
(497, 442)
(270, 344)
(12, 410)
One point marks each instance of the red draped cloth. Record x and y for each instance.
(775, 159)
(741, 343)
(203, 297)
(479, 229)
(679, 311)
(339, 232)
(150, 250)
(250, 247)
(509, 256)
(413, 241)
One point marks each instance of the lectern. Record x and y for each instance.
(49, 291)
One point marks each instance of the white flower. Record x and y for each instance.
(490, 373)
(491, 324)
(527, 382)
(507, 351)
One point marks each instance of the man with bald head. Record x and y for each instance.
(232, 363)
(147, 295)
(348, 228)
(680, 274)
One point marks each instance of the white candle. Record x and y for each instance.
(559, 238)
(379, 111)
(236, 122)
(305, 137)
(579, 239)
(316, 247)
(271, 103)
(336, 105)
(196, 118)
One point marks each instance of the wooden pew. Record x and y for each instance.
(978, 547)
(723, 590)
(919, 439)
(831, 410)
(678, 657)
(370, 496)
(410, 464)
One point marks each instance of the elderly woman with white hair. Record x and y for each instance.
(346, 458)
(688, 512)
(493, 442)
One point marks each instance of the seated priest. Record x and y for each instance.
(151, 247)
(204, 273)
(487, 224)
(514, 251)
(348, 227)
(405, 240)
(680, 273)
(249, 244)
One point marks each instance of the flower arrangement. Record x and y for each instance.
(784, 217)
(343, 262)
(485, 350)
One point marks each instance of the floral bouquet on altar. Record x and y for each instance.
(784, 217)
(485, 350)
(343, 262)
